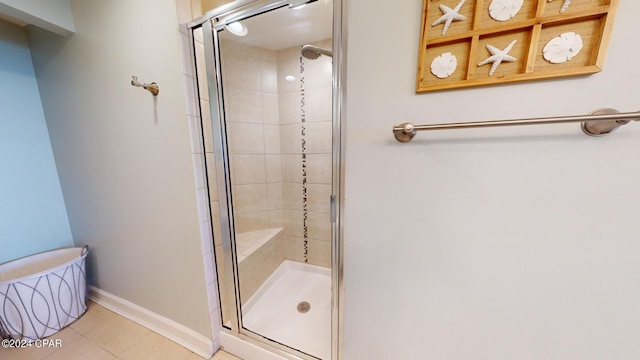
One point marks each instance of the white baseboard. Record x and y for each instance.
(168, 328)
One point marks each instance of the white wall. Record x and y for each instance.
(52, 15)
(124, 156)
(517, 243)
(33, 217)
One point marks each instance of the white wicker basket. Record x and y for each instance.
(43, 293)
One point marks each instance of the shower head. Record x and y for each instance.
(313, 52)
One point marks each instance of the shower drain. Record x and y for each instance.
(303, 307)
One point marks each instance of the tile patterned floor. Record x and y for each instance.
(101, 334)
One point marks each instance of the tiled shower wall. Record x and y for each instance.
(305, 143)
(280, 140)
(251, 110)
(270, 167)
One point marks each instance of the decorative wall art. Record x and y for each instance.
(469, 43)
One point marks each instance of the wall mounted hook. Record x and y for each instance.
(151, 87)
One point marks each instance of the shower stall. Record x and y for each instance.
(269, 86)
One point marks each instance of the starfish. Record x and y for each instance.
(450, 15)
(565, 5)
(498, 56)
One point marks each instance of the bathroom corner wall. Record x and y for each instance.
(33, 217)
(123, 155)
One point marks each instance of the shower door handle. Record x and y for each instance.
(332, 208)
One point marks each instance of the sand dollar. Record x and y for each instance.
(444, 65)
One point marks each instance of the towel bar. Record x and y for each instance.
(598, 123)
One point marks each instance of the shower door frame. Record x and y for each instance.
(211, 23)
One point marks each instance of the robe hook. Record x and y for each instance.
(151, 87)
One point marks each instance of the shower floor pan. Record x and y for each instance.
(276, 310)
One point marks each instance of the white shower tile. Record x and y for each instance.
(319, 252)
(270, 114)
(207, 133)
(233, 50)
(319, 226)
(288, 68)
(190, 95)
(318, 104)
(294, 248)
(269, 76)
(251, 221)
(274, 168)
(203, 205)
(275, 218)
(290, 107)
(243, 106)
(219, 257)
(249, 198)
(248, 169)
(246, 138)
(319, 137)
(319, 168)
(203, 90)
(197, 35)
(274, 196)
(318, 73)
(217, 226)
(186, 55)
(318, 198)
(290, 139)
(289, 54)
(216, 330)
(212, 296)
(292, 196)
(209, 268)
(206, 237)
(195, 132)
(183, 28)
(293, 222)
(211, 177)
(216, 327)
(292, 168)
(243, 72)
(198, 169)
(272, 139)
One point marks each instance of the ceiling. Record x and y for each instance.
(285, 27)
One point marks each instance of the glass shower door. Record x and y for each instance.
(275, 138)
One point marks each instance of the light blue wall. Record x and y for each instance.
(33, 217)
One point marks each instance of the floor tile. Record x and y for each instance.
(117, 335)
(81, 349)
(101, 334)
(153, 346)
(66, 337)
(94, 316)
(195, 356)
(223, 355)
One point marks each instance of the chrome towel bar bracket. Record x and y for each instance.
(598, 123)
